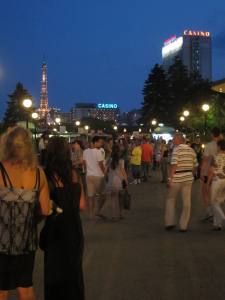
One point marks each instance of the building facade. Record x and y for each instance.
(193, 48)
(101, 111)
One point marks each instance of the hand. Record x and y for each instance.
(169, 182)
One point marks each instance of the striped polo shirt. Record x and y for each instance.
(185, 158)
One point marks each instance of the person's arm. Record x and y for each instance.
(210, 176)
(100, 160)
(75, 179)
(123, 172)
(173, 166)
(102, 167)
(44, 198)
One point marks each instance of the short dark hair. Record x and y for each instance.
(216, 132)
(221, 144)
(96, 138)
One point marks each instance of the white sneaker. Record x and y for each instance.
(134, 182)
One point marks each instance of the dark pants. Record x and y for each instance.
(145, 169)
(136, 171)
(164, 169)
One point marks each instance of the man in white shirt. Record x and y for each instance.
(183, 165)
(95, 176)
(209, 152)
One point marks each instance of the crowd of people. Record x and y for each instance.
(85, 175)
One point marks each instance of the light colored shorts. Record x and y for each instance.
(95, 185)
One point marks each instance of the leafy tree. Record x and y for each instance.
(179, 89)
(15, 111)
(156, 96)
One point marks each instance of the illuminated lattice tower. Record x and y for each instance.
(44, 109)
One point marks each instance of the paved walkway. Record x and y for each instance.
(136, 259)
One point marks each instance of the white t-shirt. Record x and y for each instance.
(92, 158)
(210, 151)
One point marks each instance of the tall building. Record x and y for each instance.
(101, 111)
(193, 48)
(44, 109)
(83, 110)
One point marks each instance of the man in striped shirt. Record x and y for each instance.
(183, 166)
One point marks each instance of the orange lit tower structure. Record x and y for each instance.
(44, 109)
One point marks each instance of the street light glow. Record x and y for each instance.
(58, 120)
(139, 129)
(86, 127)
(205, 107)
(186, 113)
(115, 127)
(77, 123)
(154, 122)
(27, 103)
(124, 130)
(182, 118)
(34, 115)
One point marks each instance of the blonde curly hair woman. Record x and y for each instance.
(23, 190)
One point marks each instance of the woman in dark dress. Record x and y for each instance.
(63, 249)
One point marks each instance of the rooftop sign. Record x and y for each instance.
(107, 106)
(172, 47)
(197, 33)
(170, 40)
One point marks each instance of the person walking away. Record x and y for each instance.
(95, 177)
(164, 161)
(217, 180)
(78, 164)
(124, 150)
(136, 162)
(198, 150)
(116, 176)
(209, 152)
(146, 158)
(183, 165)
(63, 248)
(23, 195)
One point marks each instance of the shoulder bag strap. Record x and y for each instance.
(5, 176)
(37, 182)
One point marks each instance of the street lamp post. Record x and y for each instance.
(77, 123)
(205, 108)
(35, 116)
(27, 103)
(186, 113)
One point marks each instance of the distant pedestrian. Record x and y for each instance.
(208, 154)
(94, 163)
(42, 145)
(164, 161)
(136, 162)
(117, 177)
(183, 165)
(146, 158)
(197, 146)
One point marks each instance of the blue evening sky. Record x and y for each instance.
(96, 50)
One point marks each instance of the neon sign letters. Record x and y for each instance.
(197, 33)
(107, 105)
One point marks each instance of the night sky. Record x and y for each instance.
(96, 50)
